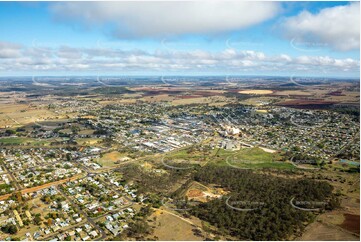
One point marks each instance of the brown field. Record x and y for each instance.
(86, 131)
(158, 98)
(256, 92)
(294, 93)
(169, 226)
(306, 103)
(214, 100)
(346, 97)
(351, 223)
(88, 141)
(15, 115)
(320, 231)
(110, 159)
(259, 101)
(119, 101)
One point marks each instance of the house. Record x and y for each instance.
(93, 234)
(85, 238)
(87, 227)
(78, 220)
(36, 235)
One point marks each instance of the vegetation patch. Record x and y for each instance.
(259, 206)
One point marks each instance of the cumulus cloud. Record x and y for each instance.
(9, 50)
(336, 27)
(160, 19)
(72, 59)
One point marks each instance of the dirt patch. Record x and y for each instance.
(194, 193)
(168, 226)
(351, 223)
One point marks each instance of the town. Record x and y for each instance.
(99, 167)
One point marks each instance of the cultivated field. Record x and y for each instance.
(256, 92)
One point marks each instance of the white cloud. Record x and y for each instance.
(94, 60)
(159, 19)
(337, 27)
(9, 50)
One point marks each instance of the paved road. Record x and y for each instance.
(17, 186)
(52, 235)
(90, 220)
(33, 189)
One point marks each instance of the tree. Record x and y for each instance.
(138, 228)
(37, 219)
(10, 132)
(9, 229)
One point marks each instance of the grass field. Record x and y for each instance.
(23, 140)
(110, 159)
(88, 141)
(249, 158)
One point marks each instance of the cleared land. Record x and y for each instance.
(172, 227)
(111, 159)
(256, 92)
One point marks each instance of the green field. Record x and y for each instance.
(22, 140)
(186, 155)
(249, 158)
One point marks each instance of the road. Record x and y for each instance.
(17, 186)
(33, 189)
(90, 220)
(52, 235)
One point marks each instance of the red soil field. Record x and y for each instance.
(351, 223)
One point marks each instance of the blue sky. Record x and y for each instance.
(273, 38)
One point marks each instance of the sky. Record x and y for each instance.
(180, 38)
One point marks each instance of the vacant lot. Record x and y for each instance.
(15, 115)
(111, 159)
(171, 227)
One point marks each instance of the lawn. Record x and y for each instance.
(15, 140)
(250, 158)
